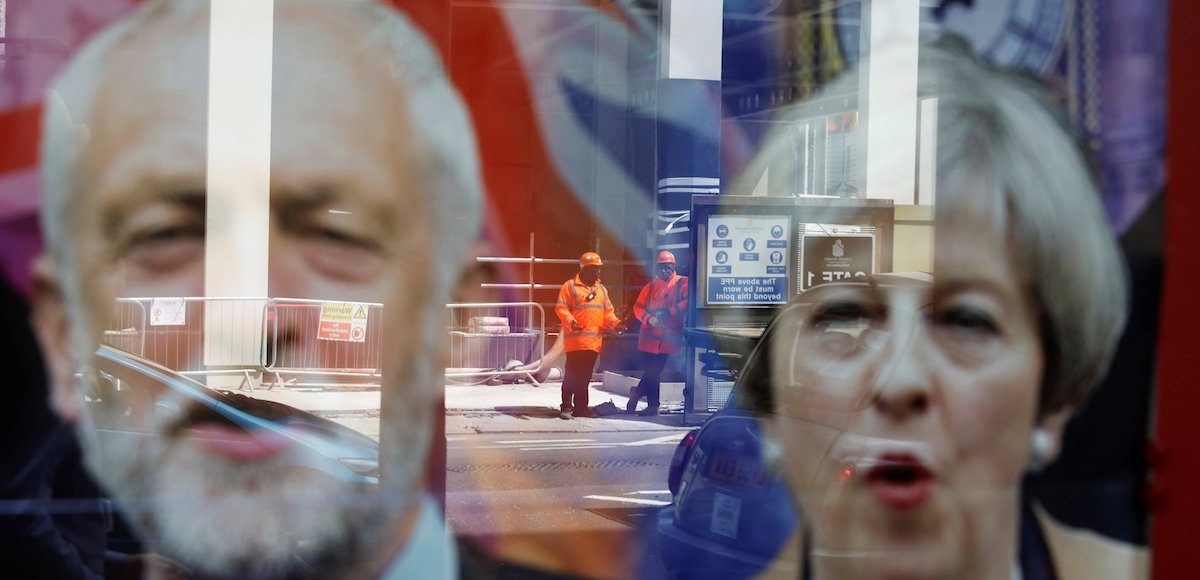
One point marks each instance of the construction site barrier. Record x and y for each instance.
(323, 338)
(316, 338)
(171, 332)
(495, 340)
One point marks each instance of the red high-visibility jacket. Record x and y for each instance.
(592, 315)
(668, 301)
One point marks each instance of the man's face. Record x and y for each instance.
(665, 271)
(589, 274)
(348, 223)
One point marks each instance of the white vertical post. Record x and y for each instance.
(888, 99)
(239, 176)
(693, 39)
(927, 173)
(3, 26)
(805, 177)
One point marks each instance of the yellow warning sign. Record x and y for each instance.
(344, 321)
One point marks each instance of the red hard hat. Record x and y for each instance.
(665, 257)
(590, 259)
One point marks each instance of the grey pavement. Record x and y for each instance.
(488, 408)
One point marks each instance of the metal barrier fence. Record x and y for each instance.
(489, 339)
(323, 337)
(313, 337)
(126, 328)
(172, 331)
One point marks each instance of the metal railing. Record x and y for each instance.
(172, 331)
(532, 262)
(300, 337)
(323, 337)
(489, 340)
(126, 328)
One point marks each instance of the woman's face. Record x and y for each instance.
(905, 406)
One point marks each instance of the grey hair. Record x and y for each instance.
(65, 136)
(438, 116)
(443, 145)
(1000, 130)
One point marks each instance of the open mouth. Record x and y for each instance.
(900, 481)
(228, 439)
(239, 444)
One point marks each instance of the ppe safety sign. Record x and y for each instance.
(747, 259)
(343, 321)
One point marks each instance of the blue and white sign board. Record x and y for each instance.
(747, 259)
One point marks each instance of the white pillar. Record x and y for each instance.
(693, 39)
(927, 175)
(239, 178)
(888, 99)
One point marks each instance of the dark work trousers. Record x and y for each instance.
(652, 368)
(576, 377)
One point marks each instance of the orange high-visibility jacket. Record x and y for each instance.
(668, 301)
(592, 315)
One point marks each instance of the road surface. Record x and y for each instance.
(565, 501)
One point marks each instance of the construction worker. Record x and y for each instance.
(585, 310)
(661, 307)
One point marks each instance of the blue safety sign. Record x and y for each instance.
(749, 276)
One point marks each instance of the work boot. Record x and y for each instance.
(648, 412)
(633, 400)
(565, 415)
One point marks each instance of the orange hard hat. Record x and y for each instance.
(590, 259)
(665, 257)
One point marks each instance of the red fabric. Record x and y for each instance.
(1175, 460)
(488, 70)
(668, 301)
(20, 127)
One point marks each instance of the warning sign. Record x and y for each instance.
(358, 324)
(168, 312)
(344, 321)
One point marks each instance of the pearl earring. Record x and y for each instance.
(1041, 449)
(772, 453)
